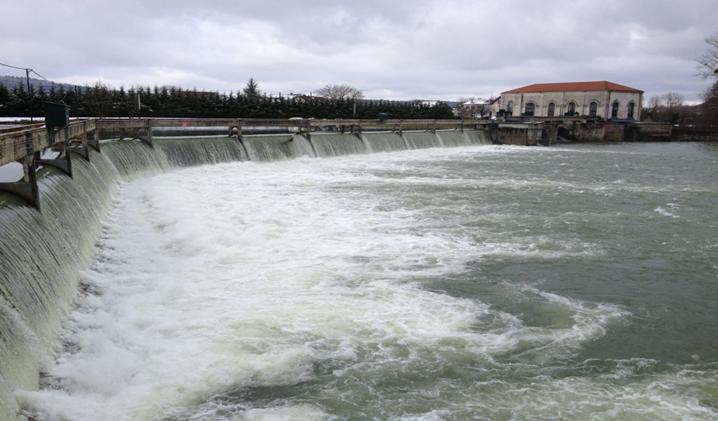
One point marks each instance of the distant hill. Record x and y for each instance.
(11, 82)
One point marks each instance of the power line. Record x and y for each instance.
(42, 77)
(28, 71)
(13, 67)
(27, 76)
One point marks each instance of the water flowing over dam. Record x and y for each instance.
(43, 253)
(376, 275)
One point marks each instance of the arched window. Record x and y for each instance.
(551, 109)
(631, 108)
(614, 109)
(510, 107)
(593, 109)
(571, 108)
(530, 108)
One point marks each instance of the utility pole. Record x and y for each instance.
(29, 98)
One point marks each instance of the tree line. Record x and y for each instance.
(99, 100)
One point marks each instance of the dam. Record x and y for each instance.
(44, 252)
(398, 274)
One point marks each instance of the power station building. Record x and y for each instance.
(603, 99)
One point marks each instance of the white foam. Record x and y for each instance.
(666, 212)
(223, 277)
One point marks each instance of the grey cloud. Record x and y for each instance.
(406, 49)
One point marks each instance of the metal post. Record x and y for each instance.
(29, 98)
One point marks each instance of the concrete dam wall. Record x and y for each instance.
(42, 254)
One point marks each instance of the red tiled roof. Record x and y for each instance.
(573, 86)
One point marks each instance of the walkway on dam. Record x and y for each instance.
(27, 144)
(17, 143)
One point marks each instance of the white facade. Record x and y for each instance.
(595, 99)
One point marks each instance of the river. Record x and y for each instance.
(573, 282)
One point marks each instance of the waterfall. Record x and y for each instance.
(270, 148)
(43, 253)
(41, 256)
(327, 145)
(384, 142)
(465, 138)
(422, 140)
(185, 152)
(133, 159)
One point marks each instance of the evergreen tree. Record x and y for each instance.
(98, 100)
(20, 103)
(252, 89)
(5, 100)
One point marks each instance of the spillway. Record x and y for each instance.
(43, 254)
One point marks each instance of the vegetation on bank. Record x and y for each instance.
(171, 101)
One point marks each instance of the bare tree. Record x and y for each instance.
(340, 92)
(668, 107)
(653, 109)
(711, 94)
(674, 107)
(673, 100)
(708, 61)
(707, 68)
(710, 106)
(655, 103)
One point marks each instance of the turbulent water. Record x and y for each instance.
(469, 283)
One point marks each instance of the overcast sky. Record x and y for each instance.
(392, 49)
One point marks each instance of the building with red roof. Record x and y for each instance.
(603, 99)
